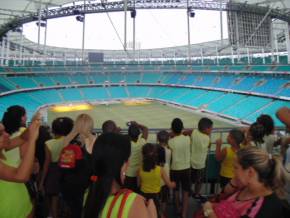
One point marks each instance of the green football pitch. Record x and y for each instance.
(153, 115)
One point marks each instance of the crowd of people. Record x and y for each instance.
(68, 171)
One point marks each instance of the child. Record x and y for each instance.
(138, 139)
(180, 165)
(109, 162)
(164, 159)
(270, 138)
(227, 155)
(151, 174)
(256, 135)
(60, 127)
(200, 142)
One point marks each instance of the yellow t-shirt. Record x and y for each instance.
(180, 146)
(135, 158)
(227, 165)
(55, 146)
(199, 149)
(13, 155)
(150, 181)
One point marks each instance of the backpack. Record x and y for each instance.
(69, 156)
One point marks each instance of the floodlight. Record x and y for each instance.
(41, 23)
(17, 29)
(80, 18)
(190, 12)
(133, 13)
(76, 11)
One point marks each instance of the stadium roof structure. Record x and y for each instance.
(14, 13)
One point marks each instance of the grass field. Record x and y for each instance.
(152, 114)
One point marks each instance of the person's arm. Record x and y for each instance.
(208, 210)
(166, 179)
(23, 138)
(220, 154)
(161, 155)
(283, 114)
(142, 208)
(71, 136)
(284, 146)
(15, 142)
(145, 131)
(23, 172)
(187, 132)
(232, 187)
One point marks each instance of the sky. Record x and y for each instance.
(157, 28)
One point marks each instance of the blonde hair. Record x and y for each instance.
(269, 168)
(85, 123)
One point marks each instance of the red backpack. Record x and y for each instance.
(69, 156)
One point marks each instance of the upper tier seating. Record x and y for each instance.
(202, 96)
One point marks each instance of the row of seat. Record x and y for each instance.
(258, 83)
(240, 106)
(103, 67)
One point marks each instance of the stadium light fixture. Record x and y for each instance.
(133, 13)
(41, 23)
(17, 29)
(80, 18)
(191, 12)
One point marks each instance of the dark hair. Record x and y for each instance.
(110, 152)
(149, 152)
(109, 126)
(134, 132)
(163, 137)
(268, 123)
(62, 126)
(269, 169)
(237, 135)
(177, 125)
(257, 132)
(12, 118)
(44, 135)
(204, 123)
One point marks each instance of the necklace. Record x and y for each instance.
(246, 195)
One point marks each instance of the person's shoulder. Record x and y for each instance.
(142, 208)
(194, 132)
(272, 197)
(272, 207)
(49, 142)
(197, 133)
(141, 141)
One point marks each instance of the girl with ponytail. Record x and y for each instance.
(106, 198)
(259, 179)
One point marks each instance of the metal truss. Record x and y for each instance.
(91, 7)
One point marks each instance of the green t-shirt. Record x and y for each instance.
(180, 146)
(14, 199)
(199, 149)
(13, 155)
(55, 146)
(135, 158)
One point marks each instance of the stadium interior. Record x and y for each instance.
(233, 79)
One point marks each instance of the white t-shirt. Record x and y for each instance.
(269, 141)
